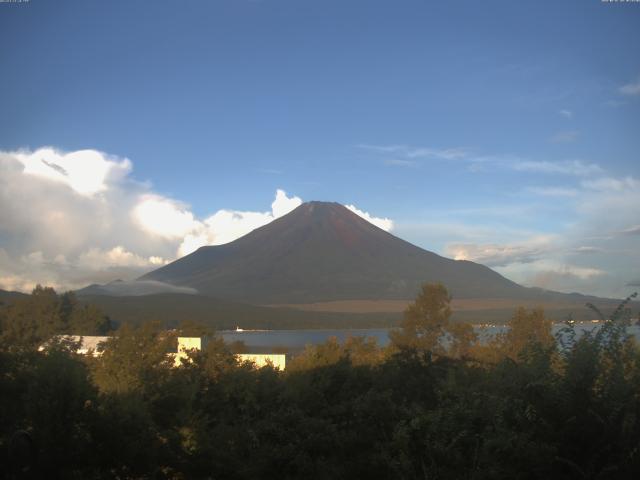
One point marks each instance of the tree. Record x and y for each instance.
(527, 329)
(33, 320)
(134, 359)
(88, 320)
(426, 324)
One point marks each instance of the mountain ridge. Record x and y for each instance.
(322, 251)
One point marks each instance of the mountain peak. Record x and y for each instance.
(323, 251)
(318, 208)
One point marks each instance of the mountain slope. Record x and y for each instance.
(7, 297)
(321, 252)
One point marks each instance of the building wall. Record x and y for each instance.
(277, 360)
(91, 344)
(186, 344)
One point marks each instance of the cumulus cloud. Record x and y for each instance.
(163, 217)
(87, 172)
(225, 226)
(69, 219)
(98, 259)
(73, 218)
(385, 224)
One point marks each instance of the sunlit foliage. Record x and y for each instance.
(525, 405)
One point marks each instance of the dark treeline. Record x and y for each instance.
(525, 405)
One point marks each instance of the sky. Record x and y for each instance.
(502, 132)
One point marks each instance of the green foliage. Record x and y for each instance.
(134, 358)
(342, 410)
(425, 321)
(426, 325)
(356, 350)
(33, 320)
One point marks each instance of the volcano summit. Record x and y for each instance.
(323, 252)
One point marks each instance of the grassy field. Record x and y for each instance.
(171, 309)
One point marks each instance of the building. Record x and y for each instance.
(186, 344)
(87, 344)
(94, 345)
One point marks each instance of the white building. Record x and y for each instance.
(94, 345)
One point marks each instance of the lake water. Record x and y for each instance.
(297, 339)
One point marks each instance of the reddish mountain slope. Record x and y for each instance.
(321, 252)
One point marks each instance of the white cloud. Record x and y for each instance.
(632, 88)
(592, 207)
(383, 223)
(553, 191)
(570, 167)
(418, 152)
(550, 276)
(86, 171)
(566, 113)
(446, 154)
(494, 255)
(283, 204)
(196, 239)
(557, 274)
(164, 217)
(228, 225)
(98, 259)
(605, 184)
(71, 219)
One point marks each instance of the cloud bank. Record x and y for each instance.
(69, 219)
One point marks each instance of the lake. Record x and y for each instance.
(297, 339)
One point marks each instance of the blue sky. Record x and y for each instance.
(503, 132)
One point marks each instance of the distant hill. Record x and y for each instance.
(7, 297)
(322, 252)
